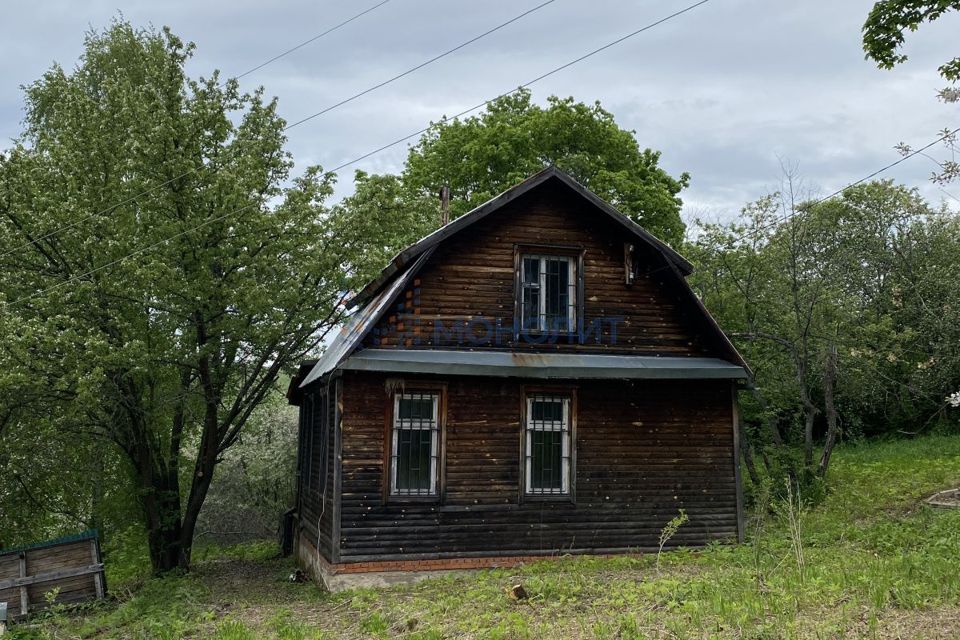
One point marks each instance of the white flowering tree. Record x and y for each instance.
(161, 267)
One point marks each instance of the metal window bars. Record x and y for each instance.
(547, 455)
(548, 299)
(315, 420)
(310, 416)
(415, 447)
(326, 408)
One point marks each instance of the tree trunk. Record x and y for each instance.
(207, 455)
(829, 381)
(810, 412)
(161, 507)
(198, 493)
(748, 462)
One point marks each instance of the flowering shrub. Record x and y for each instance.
(954, 399)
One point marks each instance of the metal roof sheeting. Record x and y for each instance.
(542, 365)
(359, 324)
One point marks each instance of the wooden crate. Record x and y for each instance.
(73, 564)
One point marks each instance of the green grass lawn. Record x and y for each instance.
(875, 563)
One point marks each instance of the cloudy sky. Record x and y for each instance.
(727, 91)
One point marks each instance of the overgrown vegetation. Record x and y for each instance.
(876, 563)
(147, 383)
(163, 267)
(845, 311)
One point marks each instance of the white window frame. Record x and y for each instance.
(564, 427)
(433, 427)
(541, 285)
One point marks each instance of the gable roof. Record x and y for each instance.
(361, 322)
(497, 202)
(380, 293)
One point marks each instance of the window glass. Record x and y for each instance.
(548, 456)
(548, 293)
(413, 464)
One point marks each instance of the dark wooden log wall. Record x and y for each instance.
(644, 449)
(471, 279)
(316, 506)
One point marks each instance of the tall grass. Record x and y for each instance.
(866, 555)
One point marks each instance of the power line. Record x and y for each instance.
(889, 166)
(810, 205)
(302, 120)
(421, 65)
(310, 40)
(247, 206)
(949, 194)
(183, 175)
(522, 86)
(132, 254)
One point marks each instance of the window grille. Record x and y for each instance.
(547, 445)
(415, 446)
(310, 415)
(548, 293)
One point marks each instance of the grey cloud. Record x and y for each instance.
(723, 91)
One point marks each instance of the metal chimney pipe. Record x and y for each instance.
(444, 205)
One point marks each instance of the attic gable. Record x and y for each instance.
(663, 316)
(498, 202)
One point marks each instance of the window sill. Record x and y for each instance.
(548, 337)
(402, 499)
(538, 497)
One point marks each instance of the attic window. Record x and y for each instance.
(548, 293)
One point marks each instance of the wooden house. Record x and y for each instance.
(534, 378)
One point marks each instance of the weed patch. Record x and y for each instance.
(870, 560)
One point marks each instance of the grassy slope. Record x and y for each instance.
(875, 564)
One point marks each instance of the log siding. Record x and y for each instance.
(466, 294)
(317, 483)
(644, 450)
(640, 449)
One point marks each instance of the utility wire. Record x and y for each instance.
(522, 86)
(889, 166)
(132, 254)
(249, 205)
(807, 206)
(302, 120)
(421, 65)
(547, 74)
(183, 175)
(445, 119)
(287, 128)
(310, 40)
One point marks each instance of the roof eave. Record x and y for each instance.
(544, 366)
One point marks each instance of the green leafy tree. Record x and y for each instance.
(379, 219)
(884, 34)
(156, 321)
(480, 156)
(844, 311)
